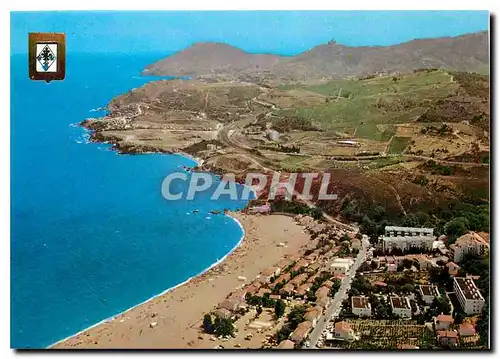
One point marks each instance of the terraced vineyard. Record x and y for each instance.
(388, 334)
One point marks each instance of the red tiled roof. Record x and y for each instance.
(342, 326)
(447, 334)
(467, 329)
(444, 318)
(301, 331)
(286, 344)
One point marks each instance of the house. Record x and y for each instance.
(312, 315)
(264, 209)
(232, 304)
(380, 284)
(401, 306)
(322, 292)
(298, 280)
(361, 306)
(251, 289)
(302, 263)
(466, 330)
(239, 294)
(312, 278)
(223, 313)
(313, 267)
(452, 268)
(269, 273)
(328, 284)
(302, 290)
(288, 289)
(311, 257)
(283, 277)
(443, 322)
(469, 243)
(392, 268)
(428, 293)
(448, 338)
(344, 331)
(339, 268)
(275, 296)
(286, 344)
(283, 264)
(263, 291)
(300, 333)
(424, 262)
(468, 295)
(322, 302)
(440, 259)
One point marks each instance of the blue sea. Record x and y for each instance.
(91, 234)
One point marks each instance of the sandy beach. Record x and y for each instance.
(172, 320)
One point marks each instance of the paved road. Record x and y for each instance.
(334, 308)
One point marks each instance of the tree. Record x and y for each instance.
(407, 288)
(296, 316)
(407, 263)
(365, 267)
(335, 287)
(223, 326)
(456, 227)
(483, 325)
(440, 305)
(461, 273)
(207, 323)
(459, 317)
(259, 310)
(283, 333)
(279, 308)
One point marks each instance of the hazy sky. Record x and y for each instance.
(283, 32)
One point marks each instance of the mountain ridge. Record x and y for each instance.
(468, 52)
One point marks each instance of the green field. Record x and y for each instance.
(380, 100)
(372, 131)
(398, 144)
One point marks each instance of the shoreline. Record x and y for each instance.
(113, 317)
(199, 163)
(172, 319)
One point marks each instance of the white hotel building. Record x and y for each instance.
(468, 295)
(361, 306)
(404, 238)
(401, 307)
(470, 243)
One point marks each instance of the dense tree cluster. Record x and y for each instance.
(219, 326)
(296, 208)
(373, 219)
(294, 318)
(279, 308)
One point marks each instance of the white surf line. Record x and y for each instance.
(115, 316)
